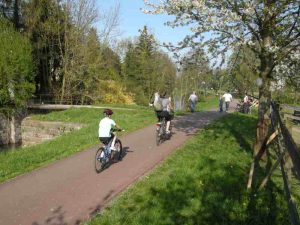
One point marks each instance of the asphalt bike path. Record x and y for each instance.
(69, 191)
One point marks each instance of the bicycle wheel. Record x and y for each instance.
(163, 133)
(160, 134)
(99, 164)
(158, 137)
(119, 149)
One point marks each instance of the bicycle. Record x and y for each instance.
(161, 134)
(239, 107)
(105, 156)
(242, 108)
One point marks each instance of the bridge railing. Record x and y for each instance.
(54, 99)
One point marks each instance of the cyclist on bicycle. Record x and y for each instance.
(163, 109)
(106, 128)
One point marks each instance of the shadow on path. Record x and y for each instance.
(57, 218)
(191, 123)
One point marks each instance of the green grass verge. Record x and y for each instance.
(211, 102)
(26, 159)
(204, 182)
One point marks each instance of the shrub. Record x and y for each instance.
(113, 92)
(16, 68)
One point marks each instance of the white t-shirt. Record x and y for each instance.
(165, 104)
(246, 99)
(105, 126)
(227, 97)
(193, 98)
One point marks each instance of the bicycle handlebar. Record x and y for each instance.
(116, 129)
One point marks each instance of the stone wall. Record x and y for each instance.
(10, 128)
(4, 130)
(35, 132)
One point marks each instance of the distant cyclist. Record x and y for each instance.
(106, 127)
(167, 112)
(163, 109)
(157, 104)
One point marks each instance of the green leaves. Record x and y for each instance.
(146, 69)
(16, 68)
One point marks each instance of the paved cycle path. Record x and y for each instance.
(70, 191)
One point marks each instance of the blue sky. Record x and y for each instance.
(132, 19)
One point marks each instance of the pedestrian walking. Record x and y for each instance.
(227, 98)
(220, 103)
(193, 100)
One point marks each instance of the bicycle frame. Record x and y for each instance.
(105, 156)
(161, 131)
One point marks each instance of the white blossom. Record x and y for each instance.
(235, 23)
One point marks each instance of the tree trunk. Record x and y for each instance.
(16, 16)
(263, 122)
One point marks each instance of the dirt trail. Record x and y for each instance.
(69, 191)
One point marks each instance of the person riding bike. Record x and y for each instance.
(163, 109)
(106, 126)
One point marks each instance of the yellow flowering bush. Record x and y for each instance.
(114, 92)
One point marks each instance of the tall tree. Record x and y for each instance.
(130, 67)
(137, 66)
(45, 29)
(16, 80)
(269, 28)
(145, 51)
(79, 16)
(146, 69)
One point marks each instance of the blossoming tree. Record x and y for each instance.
(270, 28)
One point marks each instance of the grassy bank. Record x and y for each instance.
(211, 102)
(23, 160)
(203, 182)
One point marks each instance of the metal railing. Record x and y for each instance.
(54, 99)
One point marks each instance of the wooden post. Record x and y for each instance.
(264, 182)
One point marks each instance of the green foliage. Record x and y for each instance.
(203, 182)
(71, 60)
(207, 103)
(243, 76)
(45, 29)
(195, 76)
(113, 92)
(97, 67)
(219, 80)
(16, 68)
(111, 65)
(287, 95)
(146, 69)
(67, 51)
